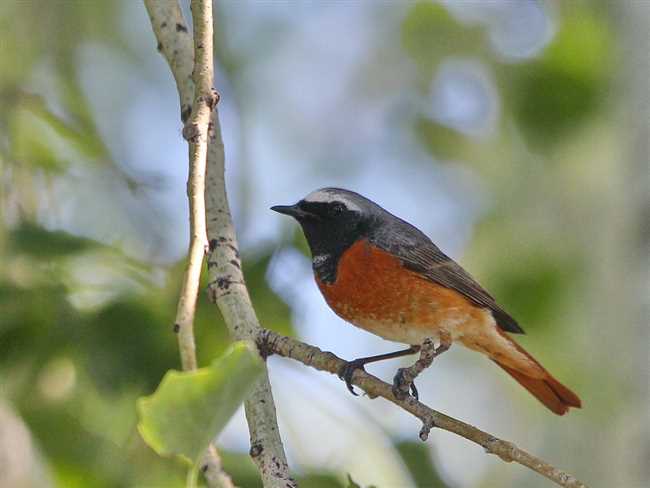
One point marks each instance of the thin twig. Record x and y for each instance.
(171, 32)
(270, 342)
(227, 282)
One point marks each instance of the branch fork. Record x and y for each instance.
(192, 130)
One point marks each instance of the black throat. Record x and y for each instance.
(329, 242)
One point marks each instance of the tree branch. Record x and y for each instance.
(175, 43)
(271, 343)
(227, 288)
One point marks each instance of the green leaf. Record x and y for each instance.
(189, 409)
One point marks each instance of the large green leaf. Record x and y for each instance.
(190, 408)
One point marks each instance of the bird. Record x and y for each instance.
(383, 275)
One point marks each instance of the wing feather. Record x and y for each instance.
(419, 254)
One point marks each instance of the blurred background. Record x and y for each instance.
(514, 133)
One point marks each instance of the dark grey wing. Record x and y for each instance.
(419, 254)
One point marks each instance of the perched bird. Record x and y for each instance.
(383, 275)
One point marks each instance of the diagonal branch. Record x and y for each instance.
(227, 287)
(166, 20)
(270, 342)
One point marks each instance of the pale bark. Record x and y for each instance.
(197, 101)
(227, 287)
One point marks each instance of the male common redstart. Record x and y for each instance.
(385, 276)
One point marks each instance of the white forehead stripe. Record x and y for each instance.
(325, 196)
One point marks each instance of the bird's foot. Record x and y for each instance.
(403, 384)
(347, 370)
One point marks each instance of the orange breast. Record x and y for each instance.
(375, 292)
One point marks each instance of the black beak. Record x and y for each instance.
(291, 210)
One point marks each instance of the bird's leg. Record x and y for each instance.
(346, 372)
(403, 381)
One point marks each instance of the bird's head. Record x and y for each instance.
(333, 218)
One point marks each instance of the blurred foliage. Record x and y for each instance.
(558, 91)
(77, 349)
(354, 484)
(436, 138)
(417, 458)
(429, 33)
(39, 243)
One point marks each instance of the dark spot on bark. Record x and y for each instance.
(213, 244)
(214, 98)
(159, 46)
(235, 263)
(180, 28)
(211, 130)
(186, 111)
(191, 132)
(256, 450)
(212, 295)
(234, 249)
(222, 239)
(163, 25)
(176, 328)
(199, 46)
(204, 468)
(264, 345)
(224, 282)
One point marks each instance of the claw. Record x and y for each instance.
(346, 372)
(401, 386)
(414, 391)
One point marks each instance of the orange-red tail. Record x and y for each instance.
(557, 397)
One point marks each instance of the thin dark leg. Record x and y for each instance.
(346, 372)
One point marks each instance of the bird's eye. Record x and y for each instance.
(337, 208)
